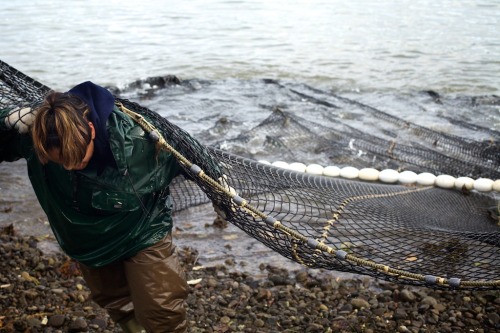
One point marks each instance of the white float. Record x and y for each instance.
(464, 183)
(349, 172)
(393, 176)
(483, 185)
(331, 171)
(280, 164)
(445, 181)
(297, 166)
(496, 185)
(426, 179)
(388, 176)
(314, 169)
(369, 174)
(407, 177)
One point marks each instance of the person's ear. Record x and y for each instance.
(92, 129)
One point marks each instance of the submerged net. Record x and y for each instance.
(420, 235)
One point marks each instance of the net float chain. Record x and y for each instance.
(391, 176)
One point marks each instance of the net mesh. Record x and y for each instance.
(408, 234)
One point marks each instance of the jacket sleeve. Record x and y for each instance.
(11, 141)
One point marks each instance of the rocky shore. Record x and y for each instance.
(44, 293)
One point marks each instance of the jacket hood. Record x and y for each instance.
(101, 103)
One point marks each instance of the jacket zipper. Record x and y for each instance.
(75, 180)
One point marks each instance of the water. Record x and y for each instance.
(407, 45)
(382, 53)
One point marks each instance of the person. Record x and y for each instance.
(104, 188)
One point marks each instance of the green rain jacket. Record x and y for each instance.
(100, 218)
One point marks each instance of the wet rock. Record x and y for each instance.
(494, 319)
(277, 279)
(359, 303)
(346, 309)
(407, 296)
(34, 323)
(78, 325)
(259, 323)
(56, 320)
(302, 276)
(212, 283)
(400, 314)
(98, 323)
(430, 301)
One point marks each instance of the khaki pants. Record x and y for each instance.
(150, 286)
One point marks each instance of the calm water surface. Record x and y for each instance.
(448, 46)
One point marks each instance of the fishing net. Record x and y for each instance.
(405, 233)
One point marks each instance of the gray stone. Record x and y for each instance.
(407, 296)
(78, 325)
(400, 314)
(56, 320)
(429, 300)
(359, 303)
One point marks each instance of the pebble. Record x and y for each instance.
(494, 319)
(78, 325)
(359, 303)
(407, 296)
(431, 301)
(259, 323)
(400, 314)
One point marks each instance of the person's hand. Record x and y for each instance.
(20, 119)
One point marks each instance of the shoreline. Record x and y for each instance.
(45, 292)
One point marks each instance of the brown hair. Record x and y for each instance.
(61, 123)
